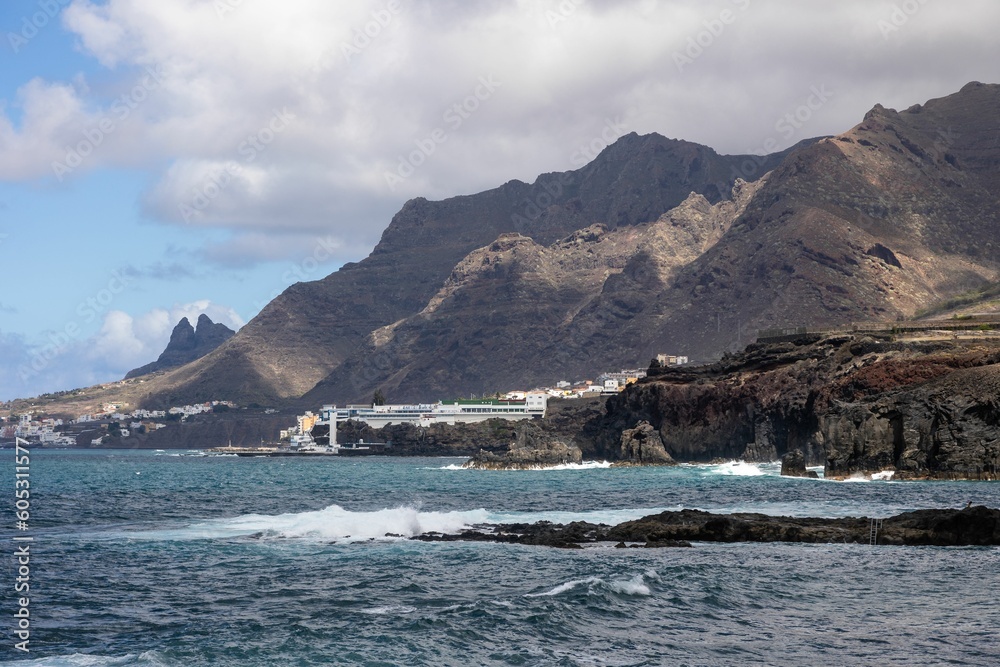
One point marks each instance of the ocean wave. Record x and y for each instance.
(585, 465)
(739, 469)
(146, 659)
(389, 610)
(882, 476)
(610, 517)
(597, 586)
(333, 523)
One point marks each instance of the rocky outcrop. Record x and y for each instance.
(531, 449)
(187, 344)
(972, 526)
(853, 403)
(642, 446)
(947, 427)
(793, 464)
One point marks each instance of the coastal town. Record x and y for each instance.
(115, 423)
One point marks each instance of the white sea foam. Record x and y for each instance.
(607, 516)
(390, 609)
(882, 476)
(333, 523)
(738, 469)
(585, 465)
(146, 659)
(634, 586)
(568, 586)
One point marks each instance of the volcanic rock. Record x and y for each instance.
(531, 449)
(187, 344)
(972, 526)
(642, 445)
(793, 464)
(858, 404)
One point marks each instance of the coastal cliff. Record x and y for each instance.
(855, 404)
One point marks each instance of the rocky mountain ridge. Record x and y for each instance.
(655, 246)
(187, 344)
(524, 301)
(875, 224)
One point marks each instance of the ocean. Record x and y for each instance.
(169, 558)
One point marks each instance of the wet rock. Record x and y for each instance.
(793, 464)
(941, 527)
(972, 526)
(642, 445)
(531, 448)
(859, 404)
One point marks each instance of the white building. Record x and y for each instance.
(443, 412)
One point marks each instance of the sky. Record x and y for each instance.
(164, 159)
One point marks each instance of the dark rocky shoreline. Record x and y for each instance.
(972, 526)
(855, 404)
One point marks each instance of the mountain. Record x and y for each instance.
(522, 310)
(895, 215)
(878, 223)
(187, 344)
(310, 329)
(655, 246)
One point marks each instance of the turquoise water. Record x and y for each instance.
(167, 558)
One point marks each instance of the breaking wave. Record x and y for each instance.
(146, 659)
(585, 465)
(332, 523)
(598, 586)
(741, 469)
(610, 517)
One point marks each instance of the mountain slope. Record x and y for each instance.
(516, 312)
(875, 224)
(615, 262)
(311, 328)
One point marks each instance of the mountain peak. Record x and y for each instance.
(187, 344)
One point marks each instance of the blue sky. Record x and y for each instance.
(160, 160)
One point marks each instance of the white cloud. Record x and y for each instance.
(124, 342)
(564, 69)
